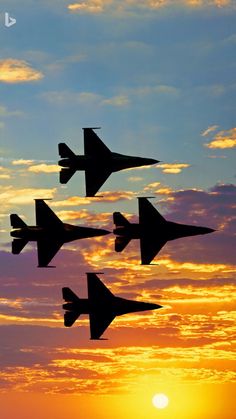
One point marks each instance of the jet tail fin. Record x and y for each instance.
(120, 220)
(69, 296)
(66, 174)
(16, 221)
(65, 151)
(18, 245)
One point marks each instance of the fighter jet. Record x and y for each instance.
(153, 230)
(98, 162)
(101, 306)
(50, 233)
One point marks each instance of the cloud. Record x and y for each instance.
(44, 168)
(10, 195)
(4, 173)
(172, 168)
(90, 217)
(223, 139)
(18, 71)
(106, 196)
(209, 130)
(155, 89)
(86, 98)
(90, 6)
(121, 100)
(135, 179)
(156, 188)
(22, 162)
(131, 6)
(5, 113)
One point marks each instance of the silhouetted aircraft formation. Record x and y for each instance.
(51, 233)
(101, 306)
(153, 231)
(98, 162)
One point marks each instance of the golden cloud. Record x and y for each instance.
(44, 168)
(4, 173)
(106, 196)
(22, 162)
(197, 267)
(17, 71)
(10, 195)
(154, 188)
(173, 168)
(223, 139)
(99, 6)
(90, 6)
(84, 214)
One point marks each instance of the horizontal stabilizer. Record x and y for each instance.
(65, 175)
(70, 317)
(121, 242)
(65, 151)
(16, 221)
(119, 220)
(18, 245)
(69, 296)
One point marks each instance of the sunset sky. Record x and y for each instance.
(158, 77)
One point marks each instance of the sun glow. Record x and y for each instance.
(160, 401)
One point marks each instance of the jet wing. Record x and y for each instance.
(47, 249)
(151, 224)
(93, 145)
(45, 217)
(100, 297)
(95, 178)
(97, 291)
(149, 248)
(99, 323)
(148, 215)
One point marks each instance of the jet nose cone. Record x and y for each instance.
(154, 306)
(208, 230)
(152, 161)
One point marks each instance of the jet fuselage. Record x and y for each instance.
(116, 305)
(114, 162)
(168, 230)
(66, 234)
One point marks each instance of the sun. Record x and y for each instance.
(160, 401)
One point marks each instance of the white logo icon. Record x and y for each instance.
(9, 21)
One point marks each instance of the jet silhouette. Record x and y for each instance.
(98, 162)
(101, 306)
(152, 230)
(50, 233)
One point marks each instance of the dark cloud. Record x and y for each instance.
(215, 209)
